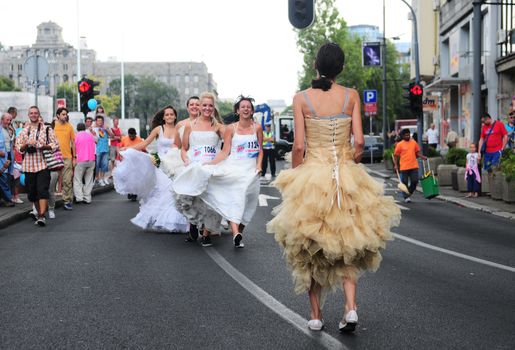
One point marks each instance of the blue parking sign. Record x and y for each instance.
(370, 96)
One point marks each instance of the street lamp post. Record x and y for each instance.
(385, 118)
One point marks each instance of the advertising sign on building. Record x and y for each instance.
(430, 103)
(371, 54)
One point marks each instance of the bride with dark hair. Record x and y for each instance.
(334, 219)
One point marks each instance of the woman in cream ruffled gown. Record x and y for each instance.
(137, 174)
(334, 219)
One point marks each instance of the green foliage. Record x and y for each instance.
(508, 165)
(225, 107)
(69, 92)
(7, 84)
(330, 27)
(151, 96)
(388, 153)
(111, 104)
(431, 152)
(457, 156)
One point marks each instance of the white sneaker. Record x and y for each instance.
(102, 183)
(315, 325)
(106, 182)
(17, 201)
(51, 214)
(407, 200)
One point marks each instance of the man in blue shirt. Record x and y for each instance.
(510, 127)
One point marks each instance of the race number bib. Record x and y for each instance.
(203, 154)
(246, 150)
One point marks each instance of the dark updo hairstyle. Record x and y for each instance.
(159, 120)
(329, 63)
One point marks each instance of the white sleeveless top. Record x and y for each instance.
(204, 145)
(244, 146)
(164, 144)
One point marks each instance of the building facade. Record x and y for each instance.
(189, 78)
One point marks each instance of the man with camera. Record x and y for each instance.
(31, 142)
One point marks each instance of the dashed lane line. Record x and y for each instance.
(453, 253)
(326, 340)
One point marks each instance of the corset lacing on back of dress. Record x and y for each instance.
(334, 126)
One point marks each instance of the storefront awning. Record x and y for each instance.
(445, 83)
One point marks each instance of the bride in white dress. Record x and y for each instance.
(229, 183)
(138, 175)
(201, 143)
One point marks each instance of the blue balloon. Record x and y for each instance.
(22, 179)
(92, 104)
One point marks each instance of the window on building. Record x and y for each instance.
(65, 78)
(177, 78)
(20, 67)
(12, 67)
(65, 66)
(187, 91)
(195, 91)
(186, 78)
(195, 78)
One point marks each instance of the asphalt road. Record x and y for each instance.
(92, 280)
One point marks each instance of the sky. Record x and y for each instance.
(248, 45)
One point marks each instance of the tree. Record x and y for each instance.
(69, 92)
(130, 87)
(152, 95)
(225, 107)
(7, 84)
(330, 27)
(111, 104)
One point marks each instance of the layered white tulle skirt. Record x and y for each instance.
(229, 189)
(136, 174)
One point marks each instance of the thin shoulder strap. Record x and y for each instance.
(310, 105)
(346, 100)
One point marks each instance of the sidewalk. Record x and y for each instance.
(9, 216)
(482, 203)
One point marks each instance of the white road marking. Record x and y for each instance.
(263, 199)
(326, 340)
(453, 253)
(401, 206)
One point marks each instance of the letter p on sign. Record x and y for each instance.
(370, 96)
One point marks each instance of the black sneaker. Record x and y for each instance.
(206, 241)
(237, 241)
(192, 234)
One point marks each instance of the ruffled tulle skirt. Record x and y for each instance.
(136, 174)
(230, 189)
(331, 230)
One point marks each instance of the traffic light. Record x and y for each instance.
(301, 13)
(87, 92)
(414, 93)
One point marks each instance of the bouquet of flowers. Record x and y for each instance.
(154, 157)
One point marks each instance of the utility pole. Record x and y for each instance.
(476, 70)
(385, 118)
(78, 56)
(420, 128)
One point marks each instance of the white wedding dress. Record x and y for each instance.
(231, 187)
(137, 174)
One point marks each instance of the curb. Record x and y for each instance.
(23, 214)
(461, 202)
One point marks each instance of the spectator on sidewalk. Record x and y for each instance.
(494, 138)
(432, 137)
(114, 147)
(5, 190)
(406, 153)
(510, 129)
(452, 139)
(132, 139)
(472, 172)
(66, 139)
(31, 142)
(9, 137)
(13, 111)
(85, 164)
(268, 150)
(102, 150)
